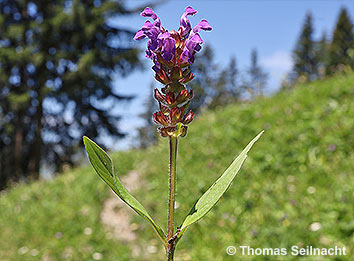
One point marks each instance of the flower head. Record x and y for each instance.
(172, 53)
(175, 48)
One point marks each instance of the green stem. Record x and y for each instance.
(171, 200)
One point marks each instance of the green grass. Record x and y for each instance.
(301, 171)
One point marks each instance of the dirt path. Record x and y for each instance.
(116, 215)
(117, 218)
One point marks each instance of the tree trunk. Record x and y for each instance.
(18, 146)
(35, 155)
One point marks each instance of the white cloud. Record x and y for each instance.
(280, 60)
(277, 65)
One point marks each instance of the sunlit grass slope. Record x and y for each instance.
(296, 187)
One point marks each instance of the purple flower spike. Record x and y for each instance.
(172, 54)
(185, 24)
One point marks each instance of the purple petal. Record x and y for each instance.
(157, 66)
(195, 38)
(157, 23)
(193, 43)
(185, 54)
(185, 24)
(168, 46)
(149, 54)
(192, 46)
(190, 11)
(188, 54)
(191, 58)
(148, 30)
(165, 35)
(197, 47)
(139, 35)
(147, 26)
(149, 13)
(203, 25)
(152, 45)
(153, 32)
(168, 49)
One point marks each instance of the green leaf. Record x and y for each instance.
(103, 166)
(214, 193)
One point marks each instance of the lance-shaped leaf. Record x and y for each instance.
(215, 192)
(103, 166)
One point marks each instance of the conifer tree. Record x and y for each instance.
(341, 50)
(213, 85)
(226, 87)
(233, 78)
(257, 78)
(322, 51)
(57, 60)
(203, 85)
(304, 54)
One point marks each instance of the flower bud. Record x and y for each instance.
(182, 96)
(187, 78)
(158, 96)
(186, 72)
(175, 35)
(173, 131)
(167, 131)
(164, 109)
(185, 107)
(170, 98)
(183, 131)
(176, 73)
(191, 94)
(161, 60)
(188, 118)
(176, 115)
(160, 118)
(162, 77)
(163, 132)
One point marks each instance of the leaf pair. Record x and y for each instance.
(103, 165)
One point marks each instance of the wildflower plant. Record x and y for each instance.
(172, 53)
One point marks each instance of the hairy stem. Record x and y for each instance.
(171, 200)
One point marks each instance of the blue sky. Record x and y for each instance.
(271, 27)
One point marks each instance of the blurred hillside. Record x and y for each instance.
(296, 187)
